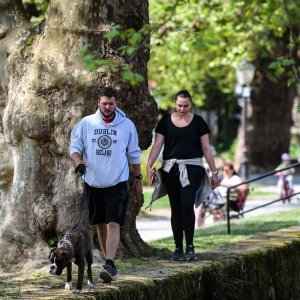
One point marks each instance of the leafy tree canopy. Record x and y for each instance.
(196, 43)
(207, 39)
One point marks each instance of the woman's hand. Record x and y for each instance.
(214, 181)
(150, 174)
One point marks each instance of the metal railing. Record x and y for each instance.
(229, 217)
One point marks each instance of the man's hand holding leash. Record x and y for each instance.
(80, 169)
(80, 165)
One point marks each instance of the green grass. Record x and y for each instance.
(162, 203)
(256, 191)
(130, 263)
(215, 236)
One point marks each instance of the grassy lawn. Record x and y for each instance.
(214, 236)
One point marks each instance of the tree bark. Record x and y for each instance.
(272, 102)
(46, 90)
(270, 133)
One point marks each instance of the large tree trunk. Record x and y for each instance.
(46, 90)
(270, 133)
(271, 115)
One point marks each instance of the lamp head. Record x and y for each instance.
(245, 73)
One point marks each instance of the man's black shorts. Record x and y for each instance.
(107, 204)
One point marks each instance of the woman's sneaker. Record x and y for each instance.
(190, 253)
(178, 254)
(108, 273)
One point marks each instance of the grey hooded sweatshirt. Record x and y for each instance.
(106, 148)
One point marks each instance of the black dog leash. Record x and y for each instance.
(80, 171)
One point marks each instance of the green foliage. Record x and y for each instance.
(227, 154)
(113, 33)
(53, 241)
(295, 149)
(209, 38)
(132, 77)
(90, 60)
(281, 65)
(132, 38)
(132, 41)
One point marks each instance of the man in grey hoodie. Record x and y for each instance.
(102, 145)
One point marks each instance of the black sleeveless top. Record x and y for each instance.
(182, 142)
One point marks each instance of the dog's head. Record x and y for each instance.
(59, 258)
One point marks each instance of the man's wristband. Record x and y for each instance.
(215, 172)
(139, 176)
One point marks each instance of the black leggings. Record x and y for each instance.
(182, 202)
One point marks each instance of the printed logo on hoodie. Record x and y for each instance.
(104, 141)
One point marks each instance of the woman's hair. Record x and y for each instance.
(183, 94)
(230, 166)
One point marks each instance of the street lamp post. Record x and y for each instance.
(244, 75)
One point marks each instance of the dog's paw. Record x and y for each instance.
(76, 292)
(68, 286)
(90, 284)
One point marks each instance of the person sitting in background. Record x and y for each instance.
(230, 178)
(217, 198)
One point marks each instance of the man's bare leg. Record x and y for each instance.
(112, 240)
(109, 271)
(102, 237)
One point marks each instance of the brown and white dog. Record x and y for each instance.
(75, 245)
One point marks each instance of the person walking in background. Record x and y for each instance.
(185, 137)
(285, 184)
(101, 146)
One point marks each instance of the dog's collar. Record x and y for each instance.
(65, 240)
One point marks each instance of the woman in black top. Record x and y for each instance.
(185, 137)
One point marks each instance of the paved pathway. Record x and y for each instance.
(157, 224)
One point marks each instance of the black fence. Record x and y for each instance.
(230, 189)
